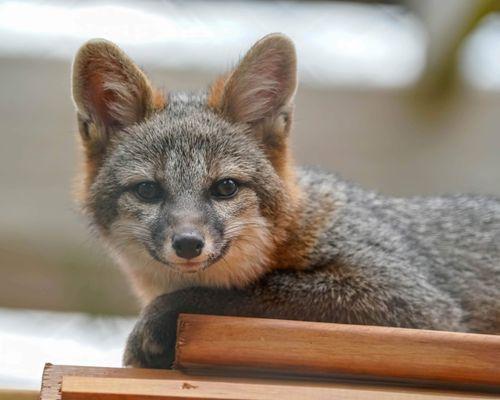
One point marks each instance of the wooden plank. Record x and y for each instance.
(142, 379)
(53, 375)
(311, 348)
(85, 388)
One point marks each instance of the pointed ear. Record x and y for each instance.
(262, 87)
(110, 92)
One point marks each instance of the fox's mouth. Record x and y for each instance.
(188, 266)
(191, 266)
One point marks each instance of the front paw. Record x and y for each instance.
(151, 344)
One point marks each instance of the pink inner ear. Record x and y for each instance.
(99, 98)
(271, 76)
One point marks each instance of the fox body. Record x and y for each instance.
(197, 197)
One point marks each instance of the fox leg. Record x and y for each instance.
(324, 295)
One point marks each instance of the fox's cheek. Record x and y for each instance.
(235, 207)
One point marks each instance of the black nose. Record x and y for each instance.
(188, 245)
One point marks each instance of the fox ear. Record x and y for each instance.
(109, 91)
(262, 87)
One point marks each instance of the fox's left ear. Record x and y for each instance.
(260, 90)
(110, 92)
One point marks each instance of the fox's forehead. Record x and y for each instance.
(186, 140)
(181, 103)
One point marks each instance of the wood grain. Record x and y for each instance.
(310, 348)
(92, 388)
(62, 382)
(53, 375)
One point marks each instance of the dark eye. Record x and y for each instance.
(224, 189)
(149, 192)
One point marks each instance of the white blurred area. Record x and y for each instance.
(29, 339)
(359, 112)
(337, 43)
(480, 57)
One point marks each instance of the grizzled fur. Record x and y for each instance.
(293, 243)
(430, 263)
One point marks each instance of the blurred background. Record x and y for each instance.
(399, 96)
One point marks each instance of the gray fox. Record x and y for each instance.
(197, 198)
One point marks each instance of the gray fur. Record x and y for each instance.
(429, 263)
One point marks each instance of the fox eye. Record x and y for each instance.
(149, 192)
(224, 189)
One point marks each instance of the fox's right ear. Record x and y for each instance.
(110, 92)
(259, 93)
(263, 84)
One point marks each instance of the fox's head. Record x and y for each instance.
(188, 188)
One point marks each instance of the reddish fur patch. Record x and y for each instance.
(159, 100)
(216, 93)
(287, 219)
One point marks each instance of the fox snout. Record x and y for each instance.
(188, 247)
(188, 244)
(188, 237)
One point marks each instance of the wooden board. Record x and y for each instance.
(53, 375)
(310, 348)
(85, 388)
(92, 383)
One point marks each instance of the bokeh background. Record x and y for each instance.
(399, 96)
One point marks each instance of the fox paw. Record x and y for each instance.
(151, 344)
